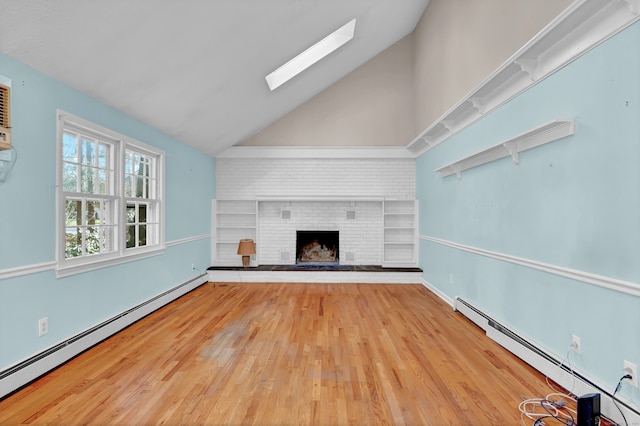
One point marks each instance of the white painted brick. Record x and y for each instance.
(251, 178)
(301, 178)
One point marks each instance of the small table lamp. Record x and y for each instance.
(246, 248)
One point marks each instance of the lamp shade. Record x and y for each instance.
(246, 247)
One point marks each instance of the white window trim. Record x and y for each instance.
(66, 267)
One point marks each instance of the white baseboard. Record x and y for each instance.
(435, 290)
(22, 373)
(537, 357)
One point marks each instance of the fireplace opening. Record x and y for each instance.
(317, 247)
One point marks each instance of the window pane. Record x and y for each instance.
(142, 213)
(86, 179)
(131, 236)
(70, 147)
(103, 159)
(131, 213)
(70, 177)
(88, 152)
(128, 185)
(73, 242)
(140, 188)
(102, 182)
(136, 164)
(142, 166)
(93, 213)
(128, 163)
(92, 240)
(147, 167)
(72, 210)
(142, 235)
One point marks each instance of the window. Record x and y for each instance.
(140, 188)
(109, 196)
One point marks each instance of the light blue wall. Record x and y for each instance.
(573, 203)
(27, 221)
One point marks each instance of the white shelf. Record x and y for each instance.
(399, 241)
(513, 147)
(233, 220)
(582, 26)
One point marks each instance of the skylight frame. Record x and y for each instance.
(310, 56)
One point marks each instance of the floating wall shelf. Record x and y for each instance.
(582, 26)
(513, 147)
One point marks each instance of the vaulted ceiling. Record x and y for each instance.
(195, 68)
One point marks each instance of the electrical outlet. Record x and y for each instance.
(631, 368)
(575, 344)
(43, 326)
(193, 266)
(450, 278)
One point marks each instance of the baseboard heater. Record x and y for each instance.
(18, 375)
(547, 364)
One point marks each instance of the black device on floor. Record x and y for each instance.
(589, 409)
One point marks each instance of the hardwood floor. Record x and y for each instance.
(276, 354)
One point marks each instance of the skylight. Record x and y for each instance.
(312, 55)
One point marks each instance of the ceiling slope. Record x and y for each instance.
(195, 69)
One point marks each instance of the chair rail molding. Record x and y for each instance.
(622, 286)
(581, 27)
(19, 271)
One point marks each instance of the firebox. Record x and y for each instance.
(317, 247)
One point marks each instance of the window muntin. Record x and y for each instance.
(110, 196)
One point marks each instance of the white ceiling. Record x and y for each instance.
(195, 68)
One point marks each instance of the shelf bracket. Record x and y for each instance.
(529, 66)
(632, 5)
(458, 171)
(478, 104)
(449, 125)
(512, 147)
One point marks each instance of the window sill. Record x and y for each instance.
(65, 271)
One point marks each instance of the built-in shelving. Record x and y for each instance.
(513, 147)
(399, 233)
(578, 29)
(233, 220)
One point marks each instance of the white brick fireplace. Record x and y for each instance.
(287, 190)
(360, 237)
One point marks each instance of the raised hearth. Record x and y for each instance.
(316, 273)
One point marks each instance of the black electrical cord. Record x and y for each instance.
(626, 376)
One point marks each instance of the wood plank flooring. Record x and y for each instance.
(278, 354)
